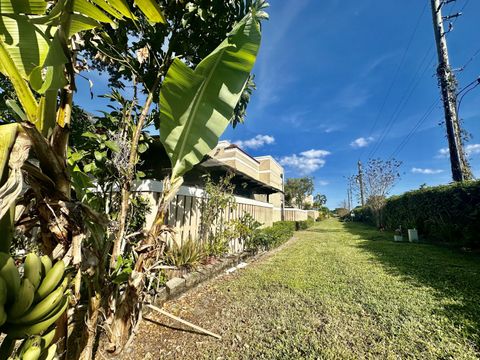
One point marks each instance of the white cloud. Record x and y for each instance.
(313, 154)
(443, 153)
(471, 149)
(361, 142)
(256, 142)
(426, 171)
(323, 183)
(306, 162)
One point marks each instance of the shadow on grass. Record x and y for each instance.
(452, 273)
(324, 231)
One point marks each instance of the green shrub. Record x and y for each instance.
(277, 234)
(365, 215)
(444, 214)
(246, 229)
(271, 237)
(187, 255)
(218, 245)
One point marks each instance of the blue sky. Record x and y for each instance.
(324, 71)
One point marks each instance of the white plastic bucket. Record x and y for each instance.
(412, 235)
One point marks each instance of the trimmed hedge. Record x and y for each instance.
(364, 215)
(445, 214)
(280, 232)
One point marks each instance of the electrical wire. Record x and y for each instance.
(430, 110)
(413, 131)
(466, 92)
(397, 72)
(469, 61)
(415, 82)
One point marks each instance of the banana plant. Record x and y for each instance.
(38, 44)
(38, 58)
(196, 107)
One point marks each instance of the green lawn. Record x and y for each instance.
(342, 291)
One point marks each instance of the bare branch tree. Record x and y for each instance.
(379, 178)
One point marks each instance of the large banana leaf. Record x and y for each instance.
(31, 53)
(8, 134)
(152, 10)
(36, 7)
(196, 106)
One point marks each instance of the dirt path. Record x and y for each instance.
(337, 292)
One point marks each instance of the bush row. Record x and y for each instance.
(445, 214)
(271, 237)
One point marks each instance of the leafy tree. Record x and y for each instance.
(319, 201)
(297, 189)
(379, 178)
(195, 28)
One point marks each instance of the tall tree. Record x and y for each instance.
(297, 190)
(319, 201)
(379, 178)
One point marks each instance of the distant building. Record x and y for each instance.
(259, 185)
(308, 200)
(264, 169)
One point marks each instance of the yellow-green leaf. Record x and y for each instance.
(30, 7)
(122, 7)
(23, 92)
(81, 23)
(8, 133)
(27, 44)
(108, 8)
(152, 10)
(85, 8)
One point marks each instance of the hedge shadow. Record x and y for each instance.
(452, 273)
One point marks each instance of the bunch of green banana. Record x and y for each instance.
(32, 348)
(30, 305)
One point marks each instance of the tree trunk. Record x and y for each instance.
(132, 298)
(89, 336)
(119, 238)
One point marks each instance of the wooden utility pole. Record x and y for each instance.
(446, 78)
(360, 183)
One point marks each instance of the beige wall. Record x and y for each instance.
(262, 168)
(292, 214)
(276, 199)
(237, 159)
(271, 172)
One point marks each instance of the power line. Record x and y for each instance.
(465, 90)
(431, 108)
(452, 10)
(419, 123)
(414, 83)
(477, 83)
(397, 71)
(469, 61)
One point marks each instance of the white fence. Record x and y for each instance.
(185, 211)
